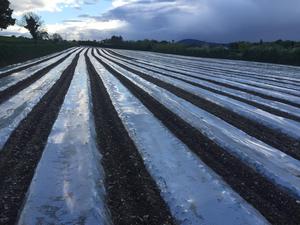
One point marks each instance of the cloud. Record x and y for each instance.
(86, 29)
(22, 6)
(90, 2)
(211, 20)
(118, 3)
(15, 30)
(71, 21)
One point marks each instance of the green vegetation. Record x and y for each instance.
(15, 50)
(281, 52)
(19, 49)
(5, 14)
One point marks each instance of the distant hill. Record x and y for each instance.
(197, 43)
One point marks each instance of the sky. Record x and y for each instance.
(208, 20)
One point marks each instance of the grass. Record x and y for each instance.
(18, 49)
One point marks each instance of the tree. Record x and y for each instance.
(116, 39)
(5, 15)
(32, 22)
(43, 35)
(56, 37)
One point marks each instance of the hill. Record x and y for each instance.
(197, 43)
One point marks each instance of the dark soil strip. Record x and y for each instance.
(256, 104)
(274, 203)
(132, 195)
(261, 132)
(231, 86)
(22, 152)
(236, 73)
(11, 91)
(27, 66)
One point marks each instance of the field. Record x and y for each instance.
(103, 136)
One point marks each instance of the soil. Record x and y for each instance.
(132, 195)
(27, 66)
(276, 204)
(233, 87)
(220, 70)
(23, 150)
(9, 92)
(255, 104)
(264, 133)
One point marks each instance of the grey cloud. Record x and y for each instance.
(71, 21)
(84, 15)
(211, 20)
(46, 5)
(99, 18)
(90, 2)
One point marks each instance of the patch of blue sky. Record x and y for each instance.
(72, 13)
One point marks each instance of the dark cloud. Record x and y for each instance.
(211, 20)
(90, 2)
(84, 15)
(208, 20)
(71, 21)
(99, 18)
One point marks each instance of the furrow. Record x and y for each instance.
(14, 89)
(271, 95)
(268, 135)
(70, 162)
(20, 68)
(132, 195)
(13, 111)
(218, 65)
(189, 187)
(279, 82)
(276, 108)
(274, 203)
(21, 153)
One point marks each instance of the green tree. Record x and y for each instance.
(5, 14)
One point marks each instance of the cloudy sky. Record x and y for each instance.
(209, 20)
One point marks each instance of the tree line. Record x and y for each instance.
(280, 52)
